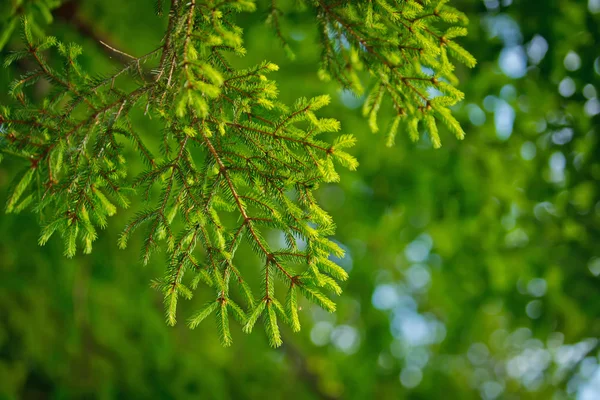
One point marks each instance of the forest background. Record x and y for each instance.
(474, 268)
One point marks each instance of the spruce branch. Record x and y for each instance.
(234, 162)
(404, 46)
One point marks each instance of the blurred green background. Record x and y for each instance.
(474, 269)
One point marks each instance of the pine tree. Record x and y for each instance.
(234, 162)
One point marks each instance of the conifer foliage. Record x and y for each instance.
(235, 163)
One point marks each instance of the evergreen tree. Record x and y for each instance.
(232, 162)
